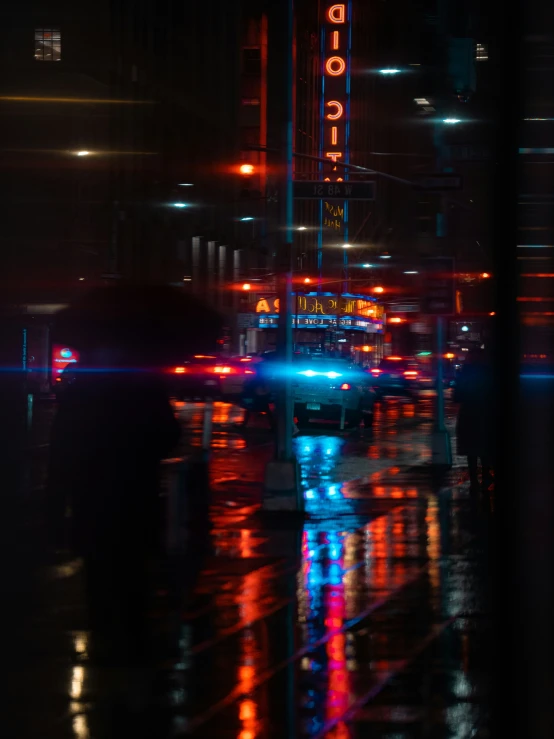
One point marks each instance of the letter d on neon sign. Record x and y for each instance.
(336, 13)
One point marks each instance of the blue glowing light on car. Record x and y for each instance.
(308, 373)
(333, 375)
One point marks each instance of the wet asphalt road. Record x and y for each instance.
(369, 619)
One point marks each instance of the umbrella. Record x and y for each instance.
(146, 324)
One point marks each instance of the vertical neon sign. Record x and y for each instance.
(336, 87)
(335, 99)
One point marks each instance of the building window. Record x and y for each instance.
(481, 53)
(48, 44)
(251, 61)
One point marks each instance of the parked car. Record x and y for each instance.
(326, 388)
(397, 376)
(201, 376)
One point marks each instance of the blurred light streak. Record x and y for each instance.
(77, 101)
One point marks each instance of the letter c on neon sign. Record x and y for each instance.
(336, 13)
(338, 110)
(335, 66)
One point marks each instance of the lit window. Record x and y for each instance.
(48, 44)
(481, 53)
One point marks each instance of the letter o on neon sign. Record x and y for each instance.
(335, 66)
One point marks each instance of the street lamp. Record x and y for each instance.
(301, 228)
(247, 218)
(179, 205)
(246, 286)
(347, 246)
(82, 153)
(389, 71)
(379, 289)
(367, 266)
(411, 272)
(246, 169)
(451, 121)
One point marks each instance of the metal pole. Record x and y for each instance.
(284, 335)
(282, 477)
(439, 421)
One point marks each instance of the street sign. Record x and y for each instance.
(310, 190)
(438, 181)
(439, 297)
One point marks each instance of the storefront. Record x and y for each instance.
(351, 325)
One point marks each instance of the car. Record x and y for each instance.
(399, 376)
(202, 375)
(325, 388)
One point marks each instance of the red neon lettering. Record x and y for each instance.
(333, 155)
(335, 66)
(336, 13)
(335, 40)
(334, 135)
(338, 110)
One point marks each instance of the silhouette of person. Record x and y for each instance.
(112, 429)
(474, 393)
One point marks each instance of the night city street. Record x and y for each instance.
(277, 369)
(371, 616)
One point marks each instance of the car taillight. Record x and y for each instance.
(249, 372)
(225, 370)
(375, 372)
(345, 386)
(179, 370)
(410, 373)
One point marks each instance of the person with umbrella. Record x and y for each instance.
(113, 427)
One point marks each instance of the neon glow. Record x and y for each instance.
(338, 108)
(334, 155)
(337, 13)
(335, 40)
(335, 66)
(334, 135)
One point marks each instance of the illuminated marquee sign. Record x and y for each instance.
(326, 305)
(336, 86)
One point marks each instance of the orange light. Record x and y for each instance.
(336, 13)
(378, 289)
(485, 275)
(334, 135)
(395, 359)
(366, 348)
(179, 370)
(335, 66)
(339, 110)
(449, 355)
(247, 169)
(245, 359)
(307, 280)
(395, 319)
(410, 373)
(204, 356)
(334, 155)
(335, 41)
(492, 313)
(246, 286)
(345, 386)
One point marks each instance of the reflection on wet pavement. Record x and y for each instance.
(370, 619)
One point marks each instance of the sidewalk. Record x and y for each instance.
(372, 617)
